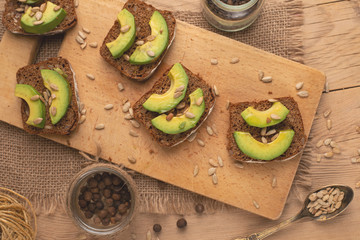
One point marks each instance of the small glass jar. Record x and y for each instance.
(231, 18)
(80, 180)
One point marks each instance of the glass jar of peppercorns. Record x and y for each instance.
(231, 15)
(102, 199)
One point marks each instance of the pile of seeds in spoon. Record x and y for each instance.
(325, 201)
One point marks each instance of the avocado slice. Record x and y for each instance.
(50, 17)
(36, 106)
(264, 151)
(265, 118)
(152, 50)
(182, 123)
(125, 39)
(31, 1)
(165, 102)
(58, 86)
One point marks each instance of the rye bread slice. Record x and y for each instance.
(161, 86)
(11, 18)
(293, 121)
(31, 75)
(142, 13)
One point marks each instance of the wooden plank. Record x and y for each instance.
(194, 47)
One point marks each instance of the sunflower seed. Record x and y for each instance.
(192, 137)
(216, 91)
(20, 10)
(86, 30)
(139, 43)
(90, 76)
(79, 40)
(150, 53)
(181, 105)
(46, 96)
(213, 163)
(200, 142)
(196, 170)
(95, 44)
(209, 130)
(82, 119)
(264, 140)
(133, 133)
(43, 100)
(57, 8)
(358, 151)
(189, 115)
(120, 87)
(48, 127)
(100, 126)
(272, 100)
(328, 154)
(299, 85)
(108, 106)
(275, 116)
(177, 94)
(150, 38)
(303, 94)
(260, 75)
(267, 79)
(274, 182)
(131, 112)
(214, 61)
(169, 116)
(35, 98)
(333, 144)
(180, 89)
(220, 161)
(256, 205)
(211, 171)
(319, 143)
(271, 132)
(234, 60)
(131, 159)
(227, 104)
(148, 235)
(125, 28)
(53, 110)
(214, 128)
(239, 165)
(50, 101)
(81, 106)
(83, 46)
(329, 124)
(83, 112)
(357, 129)
(135, 123)
(128, 116)
(318, 213)
(82, 35)
(38, 15)
(214, 179)
(126, 107)
(336, 150)
(327, 141)
(54, 87)
(38, 120)
(318, 158)
(126, 57)
(274, 137)
(355, 160)
(327, 113)
(327, 87)
(22, 1)
(357, 185)
(35, 9)
(263, 131)
(38, 22)
(199, 101)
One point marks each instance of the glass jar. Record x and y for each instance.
(231, 18)
(80, 180)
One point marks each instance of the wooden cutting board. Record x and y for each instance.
(194, 47)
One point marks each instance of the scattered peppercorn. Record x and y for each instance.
(157, 227)
(199, 208)
(181, 223)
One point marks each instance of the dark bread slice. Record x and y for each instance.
(142, 13)
(11, 18)
(161, 86)
(31, 75)
(293, 121)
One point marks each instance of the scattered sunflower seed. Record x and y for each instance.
(327, 141)
(274, 137)
(126, 57)
(319, 143)
(200, 142)
(234, 60)
(214, 179)
(131, 112)
(82, 35)
(150, 53)
(271, 132)
(214, 61)
(211, 171)
(56, 8)
(333, 144)
(355, 160)
(93, 44)
(209, 130)
(54, 87)
(139, 43)
(38, 15)
(263, 139)
(83, 112)
(79, 39)
(131, 159)
(220, 161)
(192, 137)
(35, 9)
(239, 165)
(272, 100)
(216, 91)
(20, 10)
(357, 129)
(256, 205)
(90, 76)
(124, 28)
(126, 107)
(199, 101)
(83, 46)
(263, 131)
(275, 116)
(135, 123)
(128, 116)
(336, 150)
(357, 185)
(148, 235)
(327, 113)
(196, 170)
(303, 94)
(150, 38)
(81, 106)
(82, 119)
(38, 120)
(177, 94)
(180, 89)
(327, 87)
(274, 182)
(214, 129)
(329, 124)
(38, 22)
(318, 158)
(133, 133)
(213, 163)
(43, 100)
(328, 154)
(189, 115)
(299, 85)
(120, 87)
(108, 106)
(86, 30)
(35, 98)
(100, 126)
(53, 110)
(181, 105)
(267, 79)
(227, 104)
(358, 151)
(260, 75)
(48, 127)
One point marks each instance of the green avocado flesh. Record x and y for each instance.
(165, 102)
(264, 151)
(182, 123)
(125, 40)
(61, 102)
(263, 119)
(157, 46)
(36, 108)
(50, 17)
(31, 1)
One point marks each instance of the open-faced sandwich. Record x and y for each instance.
(177, 104)
(139, 39)
(265, 130)
(39, 17)
(49, 101)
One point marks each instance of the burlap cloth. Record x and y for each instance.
(41, 169)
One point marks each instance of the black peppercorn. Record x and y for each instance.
(116, 196)
(99, 205)
(199, 208)
(92, 207)
(107, 193)
(87, 196)
(92, 183)
(103, 213)
(94, 190)
(107, 181)
(82, 203)
(122, 208)
(98, 177)
(101, 185)
(112, 211)
(157, 227)
(106, 221)
(181, 223)
(116, 180)
(88, 214)
(109, 202)
(96, 197)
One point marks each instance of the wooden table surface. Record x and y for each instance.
(331, 41)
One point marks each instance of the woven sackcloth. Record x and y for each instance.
(41, 169)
